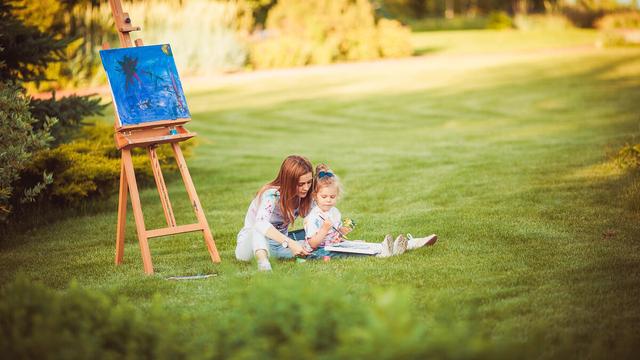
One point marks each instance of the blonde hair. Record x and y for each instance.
(326, 180)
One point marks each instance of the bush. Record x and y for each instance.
(622, 20)
(620, 29)
(80, 324)
(90, 166)
(628, 157)
(19, 142)
(394, 39)
(499, 20)
(324, 31)
(457, 23)
(290, 320)
(70, 111)
(541, 22)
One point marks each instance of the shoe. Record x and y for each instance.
(387, 246)
(400, 245)
(264, 265)
(415, 243)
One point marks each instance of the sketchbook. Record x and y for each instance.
(354, 247)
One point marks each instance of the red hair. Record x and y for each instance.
(292, 168)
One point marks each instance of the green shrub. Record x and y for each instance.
(80, 324)
(628, 157)
(325, 31)
(70, 111)
(440, 23)
(621, 20)
(541, 22)
(583, 16)
(18, 143)
(89, 167)
(394, 39)
(292, 319)
(499, 20)
(620, 29)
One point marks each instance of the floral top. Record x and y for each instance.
(265, 211)
(313, 223)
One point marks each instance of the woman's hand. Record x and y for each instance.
(297, 250)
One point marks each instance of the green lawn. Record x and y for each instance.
(505, 160)
(479, 41)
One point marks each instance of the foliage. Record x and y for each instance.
(18, 141)
(499, 20)
(620, 20)
(628, 157)
(394, 39)
(585, 13)
(207, 36)
(290, 320)
(89, 167)
(322, 31)
(26, 51)
(69, 110)
(541, 22)
(80, 324)
(457, 23)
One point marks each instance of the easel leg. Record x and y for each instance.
(195, 202)
(137, 211)
(122, 215)
(162, 187)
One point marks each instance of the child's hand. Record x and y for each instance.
(326, 225)
(345, 230)
(337, 238)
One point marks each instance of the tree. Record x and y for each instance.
(27, 124)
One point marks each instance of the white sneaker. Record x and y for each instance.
(387, 246)
(415, 243)
(264, 265)
(400, 245)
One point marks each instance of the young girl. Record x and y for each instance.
(323, 225)
(276, 205)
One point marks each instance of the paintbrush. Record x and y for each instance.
(334, 228)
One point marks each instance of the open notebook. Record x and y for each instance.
(354, 247)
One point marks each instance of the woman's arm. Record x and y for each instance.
(268, 202)
(296, 249)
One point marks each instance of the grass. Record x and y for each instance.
(505, 161)
(482, 41)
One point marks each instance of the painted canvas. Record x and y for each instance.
(145, 84)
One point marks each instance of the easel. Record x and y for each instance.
(150, 135)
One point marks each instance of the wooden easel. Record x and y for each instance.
(150, 135)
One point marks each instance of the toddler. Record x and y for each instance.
(323, 225)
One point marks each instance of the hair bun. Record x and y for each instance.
(322, 167)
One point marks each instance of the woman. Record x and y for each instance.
(276, 205)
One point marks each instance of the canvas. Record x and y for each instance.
(145, 84)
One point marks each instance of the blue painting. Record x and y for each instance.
(145, 84)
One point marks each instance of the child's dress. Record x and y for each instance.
(312, 224)
(314, 220)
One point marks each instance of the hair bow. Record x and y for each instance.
(322, 174)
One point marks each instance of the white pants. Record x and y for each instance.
(250, 241)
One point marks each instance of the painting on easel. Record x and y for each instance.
(145, 84)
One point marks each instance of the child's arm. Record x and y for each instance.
(317, 239)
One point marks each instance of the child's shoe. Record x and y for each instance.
(400, 245)
(387, 246)
(415, 243)
(264, 265)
